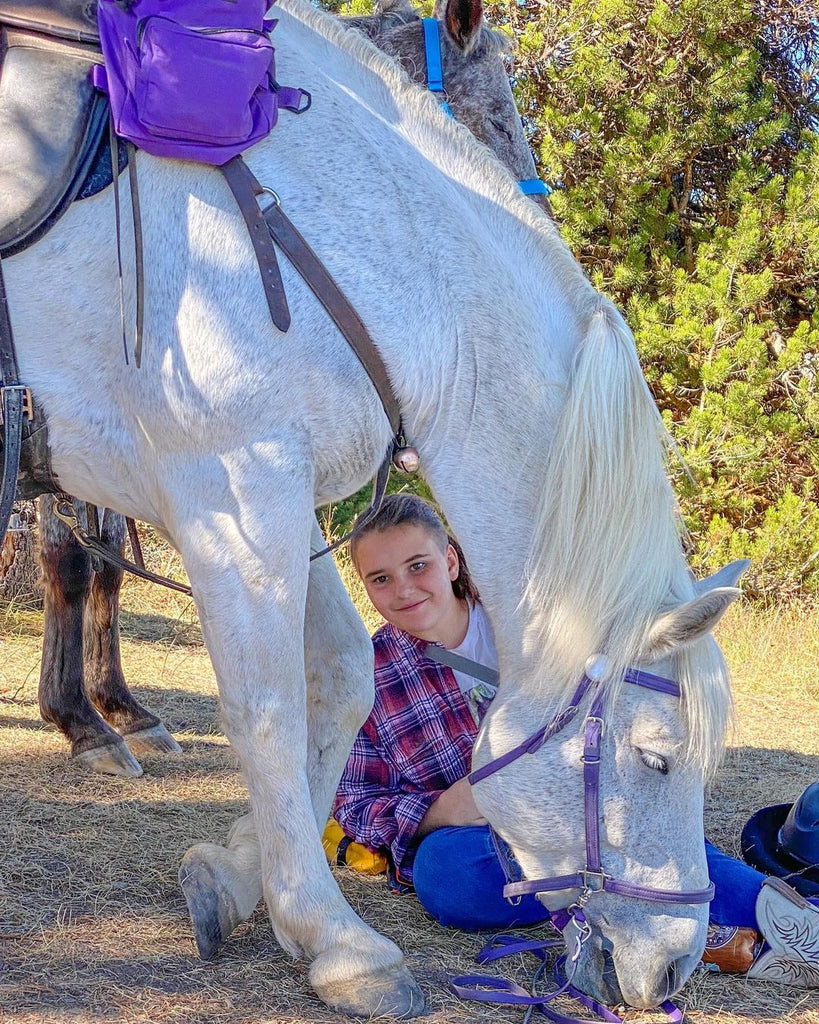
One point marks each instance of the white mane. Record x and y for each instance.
(608, 556)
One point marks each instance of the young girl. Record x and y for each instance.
(404, 789)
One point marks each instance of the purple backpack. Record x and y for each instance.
(193, 79)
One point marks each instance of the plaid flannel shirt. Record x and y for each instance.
(416, 743)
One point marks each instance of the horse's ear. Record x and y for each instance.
(462, 20)
(686, 623)
(726, 577)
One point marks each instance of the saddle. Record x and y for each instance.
(51, 118)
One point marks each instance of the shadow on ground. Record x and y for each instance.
(148, 626)
(180, 710)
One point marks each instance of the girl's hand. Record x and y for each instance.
(455, 806)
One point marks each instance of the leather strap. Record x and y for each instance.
(136, 547)
(65, 19)
(325, 289)
(536, 741)
(114, 144)
(534, 187)
(276, 227)
(13, 405)
(65, 512)
(138, 259)
(379, 490)
(592, 879)
(13, 428)
(461, 664)
(245, 188)
(484, 988)
(435, 67)
(343, 315)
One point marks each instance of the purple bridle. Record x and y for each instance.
(590, 880)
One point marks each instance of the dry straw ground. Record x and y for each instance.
(93, 926)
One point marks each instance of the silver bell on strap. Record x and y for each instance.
(406, 459)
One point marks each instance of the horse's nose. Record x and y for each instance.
(645, 985)
(678, 973)
(666, 983)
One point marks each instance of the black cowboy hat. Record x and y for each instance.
(783, 840)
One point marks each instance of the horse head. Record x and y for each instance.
(475, 81)
(639, 949)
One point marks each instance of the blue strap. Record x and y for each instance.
(535, 187)
(432, 46)
(435, 83)
(435, 67)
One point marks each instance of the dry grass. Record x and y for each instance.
(93, 926)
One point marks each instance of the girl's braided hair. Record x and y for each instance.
(409, 510)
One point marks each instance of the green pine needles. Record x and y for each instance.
(682, 136)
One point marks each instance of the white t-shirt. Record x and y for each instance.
(478, 645)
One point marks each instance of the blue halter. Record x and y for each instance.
(435, 83)
(435, 66)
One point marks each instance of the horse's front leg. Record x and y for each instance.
(63, 698)
(104, 678)
(249, 575)
(223, 884)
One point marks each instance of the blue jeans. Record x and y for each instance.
(459, 880)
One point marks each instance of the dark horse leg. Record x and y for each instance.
(64, 699)
(104, 680)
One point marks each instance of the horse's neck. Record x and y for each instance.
(493, 304)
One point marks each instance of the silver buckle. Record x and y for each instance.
(593, 881)
(28, 403)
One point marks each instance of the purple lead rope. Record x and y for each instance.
(485, 989)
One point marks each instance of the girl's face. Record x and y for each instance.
(409, 580)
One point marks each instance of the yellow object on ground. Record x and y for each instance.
(340, 849)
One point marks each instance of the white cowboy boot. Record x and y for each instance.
(790, 926)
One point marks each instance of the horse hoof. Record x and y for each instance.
(392, 992)
(157, 739)
(111, 759)
(211, 907)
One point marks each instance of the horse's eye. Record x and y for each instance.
(501, 127)
(654, 761)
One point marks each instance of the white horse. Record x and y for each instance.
(519, 385)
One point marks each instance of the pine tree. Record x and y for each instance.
(682, 140)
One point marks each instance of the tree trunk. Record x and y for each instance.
(19, 571)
